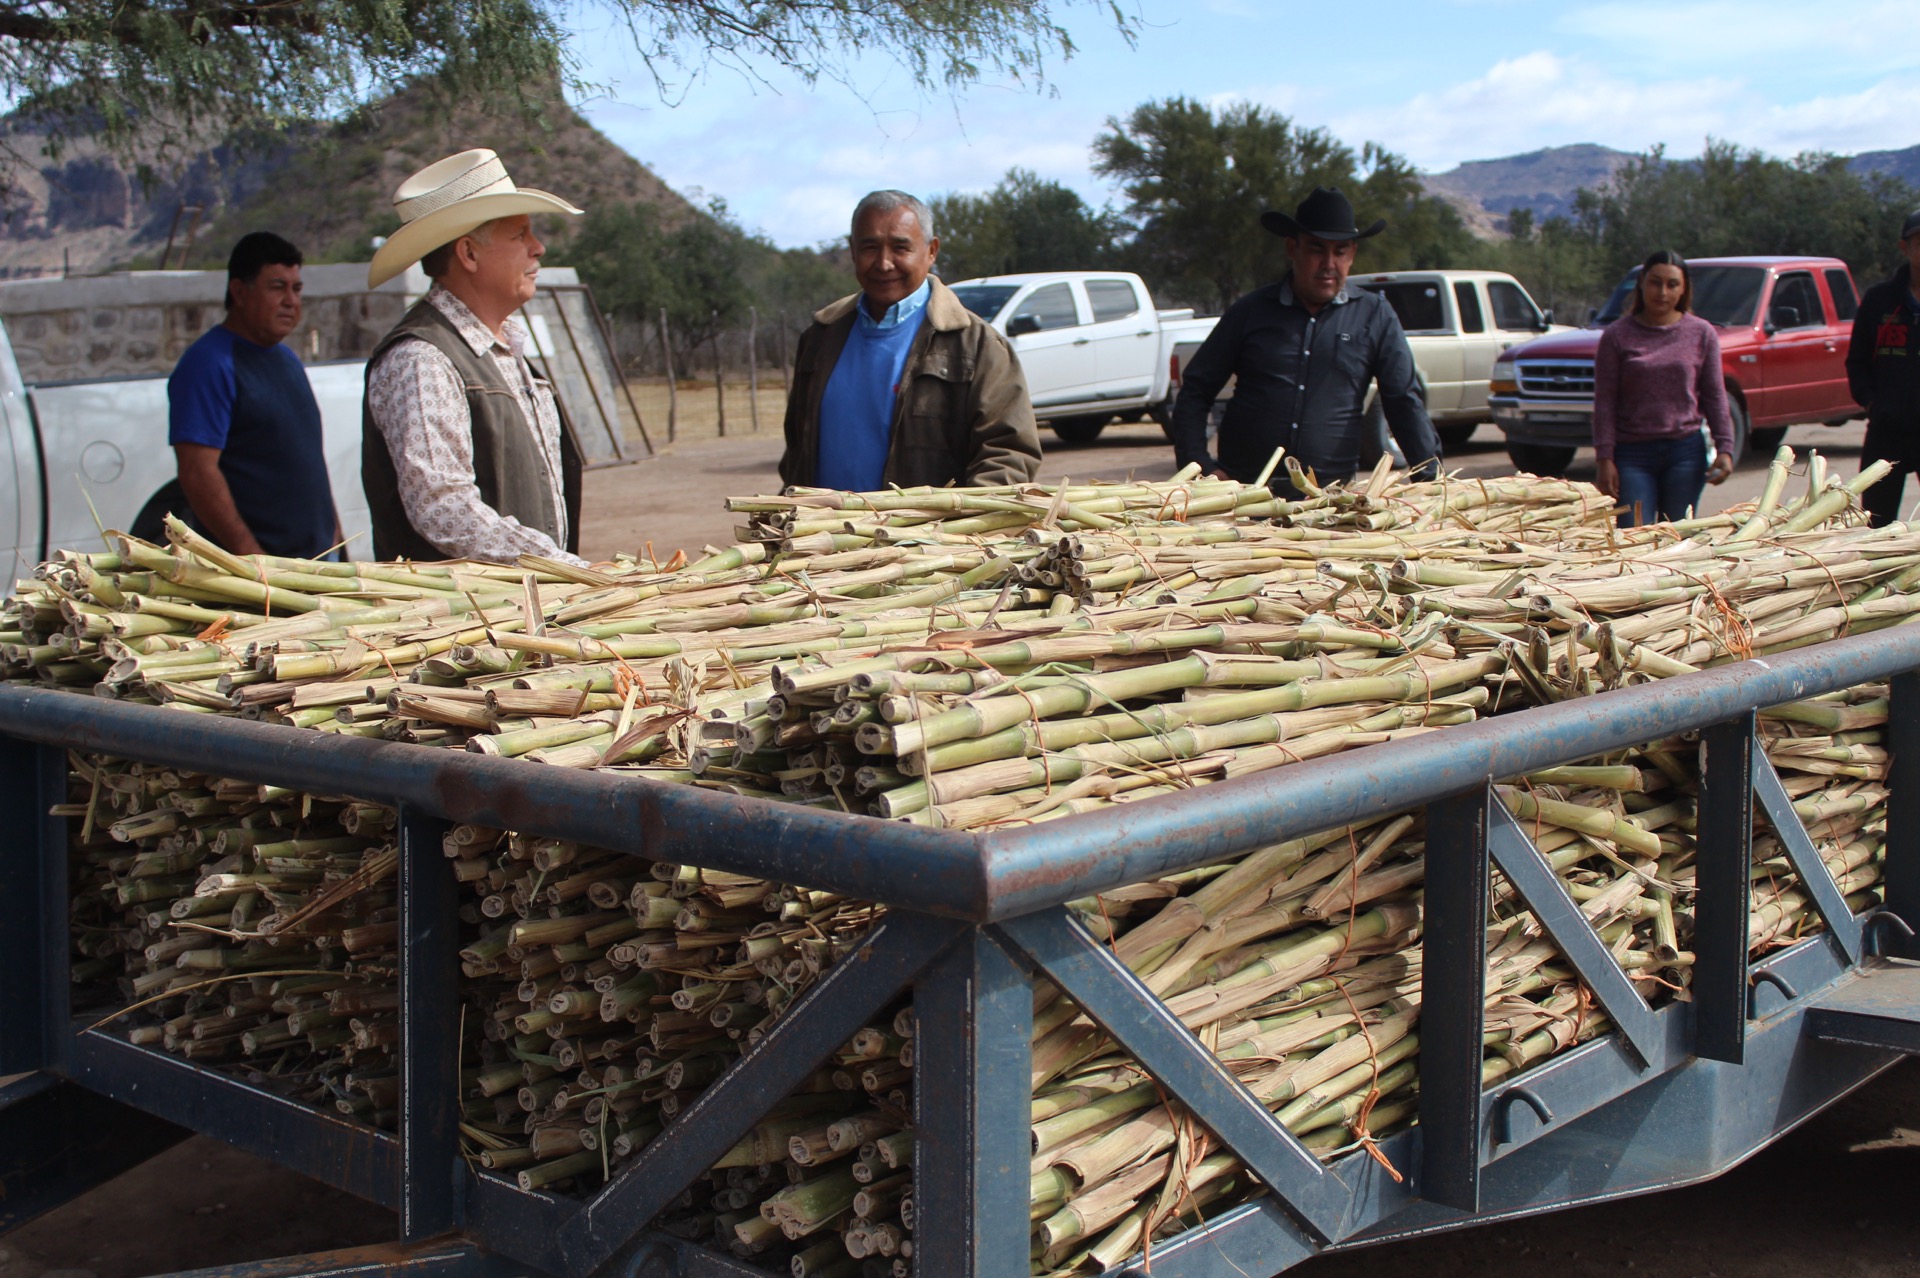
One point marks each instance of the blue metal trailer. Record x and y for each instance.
(1671, 1096)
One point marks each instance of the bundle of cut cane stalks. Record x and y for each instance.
(243, 931)
(980, 658)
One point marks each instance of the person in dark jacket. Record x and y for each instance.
(899, 383)
(1303, 351)
(1883, 372)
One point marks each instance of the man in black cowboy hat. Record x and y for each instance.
(1883, 369)
(1303, 351)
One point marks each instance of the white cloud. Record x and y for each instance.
(792, 165)
(1542, 99)
(1877, 118)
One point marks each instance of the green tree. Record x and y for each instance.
(796, 282)
(697, 271)
(157, 74)
(1026, 223)
(1556, 260)
(1735, 200)
(1196, 184)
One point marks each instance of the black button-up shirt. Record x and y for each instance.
(1301, 383)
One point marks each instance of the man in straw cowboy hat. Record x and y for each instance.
(462, 451)
(1303, 351)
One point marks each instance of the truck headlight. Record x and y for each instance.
(1504, 380)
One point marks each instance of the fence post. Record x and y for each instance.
(719, 376)
(753, 367)
(673, 390)
(786, 354)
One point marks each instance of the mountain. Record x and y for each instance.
(1544, 181)
(1904, 165)
(328, 188)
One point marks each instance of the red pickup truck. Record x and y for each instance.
(1784, 324)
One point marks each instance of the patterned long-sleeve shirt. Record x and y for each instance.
(419, 402)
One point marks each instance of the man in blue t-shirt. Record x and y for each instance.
(242, 419)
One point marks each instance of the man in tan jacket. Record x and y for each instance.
(900, 383)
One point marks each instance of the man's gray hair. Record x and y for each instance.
(437, 262)
(887, 202)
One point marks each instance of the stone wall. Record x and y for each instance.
(139, 323)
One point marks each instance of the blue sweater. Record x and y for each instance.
(856, 409)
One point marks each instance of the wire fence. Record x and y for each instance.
(712, 381)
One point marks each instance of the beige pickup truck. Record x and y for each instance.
(1458, 323)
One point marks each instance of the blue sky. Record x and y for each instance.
(1439, 81)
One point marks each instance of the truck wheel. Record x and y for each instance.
(1741, 433)
(1080, 430)
(1765, 443)
(1456, 435)
(1545, 460)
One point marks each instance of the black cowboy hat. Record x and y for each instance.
(1325, 214)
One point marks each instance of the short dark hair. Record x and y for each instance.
(1664, 257)
(256, 251)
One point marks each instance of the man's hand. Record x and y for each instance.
(1217, 473)
(1606, 477)
(211, 499)
(1722, 467)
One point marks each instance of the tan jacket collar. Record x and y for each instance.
(944, 311)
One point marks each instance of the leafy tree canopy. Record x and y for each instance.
(1734, 200)
(1026, 223)
(703, 272)
(1197, 181)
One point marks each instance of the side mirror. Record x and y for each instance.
(1546, 321)
(1593, 313)
(1779, 317)
(1021, 325)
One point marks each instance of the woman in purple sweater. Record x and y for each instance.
(1656, 380)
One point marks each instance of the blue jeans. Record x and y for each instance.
(1661, 479)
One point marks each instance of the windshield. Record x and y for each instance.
(1722, 295)
(985, 300)
(1417, 305)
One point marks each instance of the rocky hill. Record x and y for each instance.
(1545, 181)
(1904, 164)
(326, 188)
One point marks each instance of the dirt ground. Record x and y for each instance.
(675, 500)
(1836, 1198)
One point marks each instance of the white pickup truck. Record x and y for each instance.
(1091, 344)
(83, 391)
(1458, 323)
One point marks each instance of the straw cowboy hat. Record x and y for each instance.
(1326, 214)
(448, 198)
